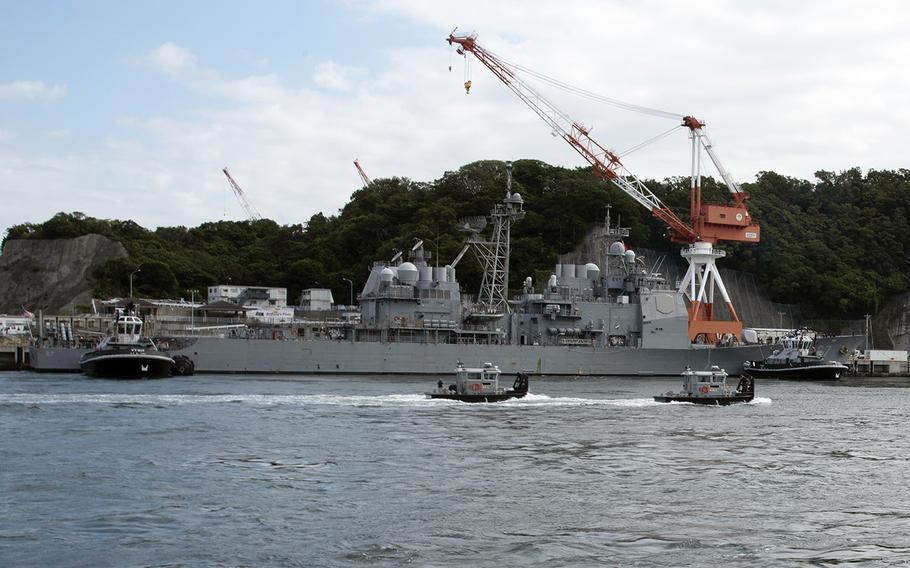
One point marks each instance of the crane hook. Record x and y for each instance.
(467, 87)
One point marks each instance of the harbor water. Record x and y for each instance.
(356, 471)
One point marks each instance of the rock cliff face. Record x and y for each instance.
(892, 323)
(54, 274)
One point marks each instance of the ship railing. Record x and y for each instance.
(574, 341)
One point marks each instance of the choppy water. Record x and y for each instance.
(353, 471)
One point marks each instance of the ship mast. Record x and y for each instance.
(493, 252)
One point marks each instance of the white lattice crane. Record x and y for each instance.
(251, 211)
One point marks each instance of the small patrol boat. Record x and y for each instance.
(797, 359)
(479, 384)
(710, 387)
(127, 354)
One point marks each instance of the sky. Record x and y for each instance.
(129, 110)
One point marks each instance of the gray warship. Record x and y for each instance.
(618, 316)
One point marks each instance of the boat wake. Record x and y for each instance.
(389, 400)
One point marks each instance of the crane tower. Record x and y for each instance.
(709, 223)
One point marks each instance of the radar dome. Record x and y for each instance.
(407, 273)
(630, 256)
(593, 270)
(386, 275)
(617, 248)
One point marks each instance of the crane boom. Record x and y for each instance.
(605, 163)
(363, 174)
(709, 223)
(251, 211)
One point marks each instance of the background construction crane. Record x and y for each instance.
(709, 223)
(251, 211)
(363, 174)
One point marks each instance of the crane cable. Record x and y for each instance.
(578, 91)
(588, 94)
(649, 141)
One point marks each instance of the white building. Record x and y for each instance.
(271, 315)
(882, 362)
(249, 296)
(316, 299)
(14, 325)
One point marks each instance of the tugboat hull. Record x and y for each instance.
(798, 372)
(126, 366)
(477, 397)
(711, 400)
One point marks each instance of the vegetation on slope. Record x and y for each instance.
(835, 246)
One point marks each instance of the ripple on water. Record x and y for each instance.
(341, 472)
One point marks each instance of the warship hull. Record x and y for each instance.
(296, 356)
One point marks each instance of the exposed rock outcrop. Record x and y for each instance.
(53, 274)
(892, 324)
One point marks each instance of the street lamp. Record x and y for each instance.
(192, 309)
(348, 280)
(131, 281)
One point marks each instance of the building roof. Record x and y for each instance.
(222, 306)
(136, 302)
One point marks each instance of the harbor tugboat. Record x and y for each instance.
(479, 384)
(710, 387)
(127, 354)
(796, 360)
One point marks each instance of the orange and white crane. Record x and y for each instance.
(363, 174)
(709, 223)
(251, 211)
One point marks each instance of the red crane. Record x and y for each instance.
(363, 174)
(709, 223)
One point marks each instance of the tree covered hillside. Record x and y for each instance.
(837, 246)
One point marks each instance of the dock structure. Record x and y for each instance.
(13, 356)
(881, 362)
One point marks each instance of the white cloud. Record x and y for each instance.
(330, 75)
(29, 90)
(792, 88)
(172, 58)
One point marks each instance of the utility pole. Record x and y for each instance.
(193, 309)
(131, 281)
(348, 280)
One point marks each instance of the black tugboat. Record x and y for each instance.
(127, 354)
(796, 360)
(479, 385)
(710, 387)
